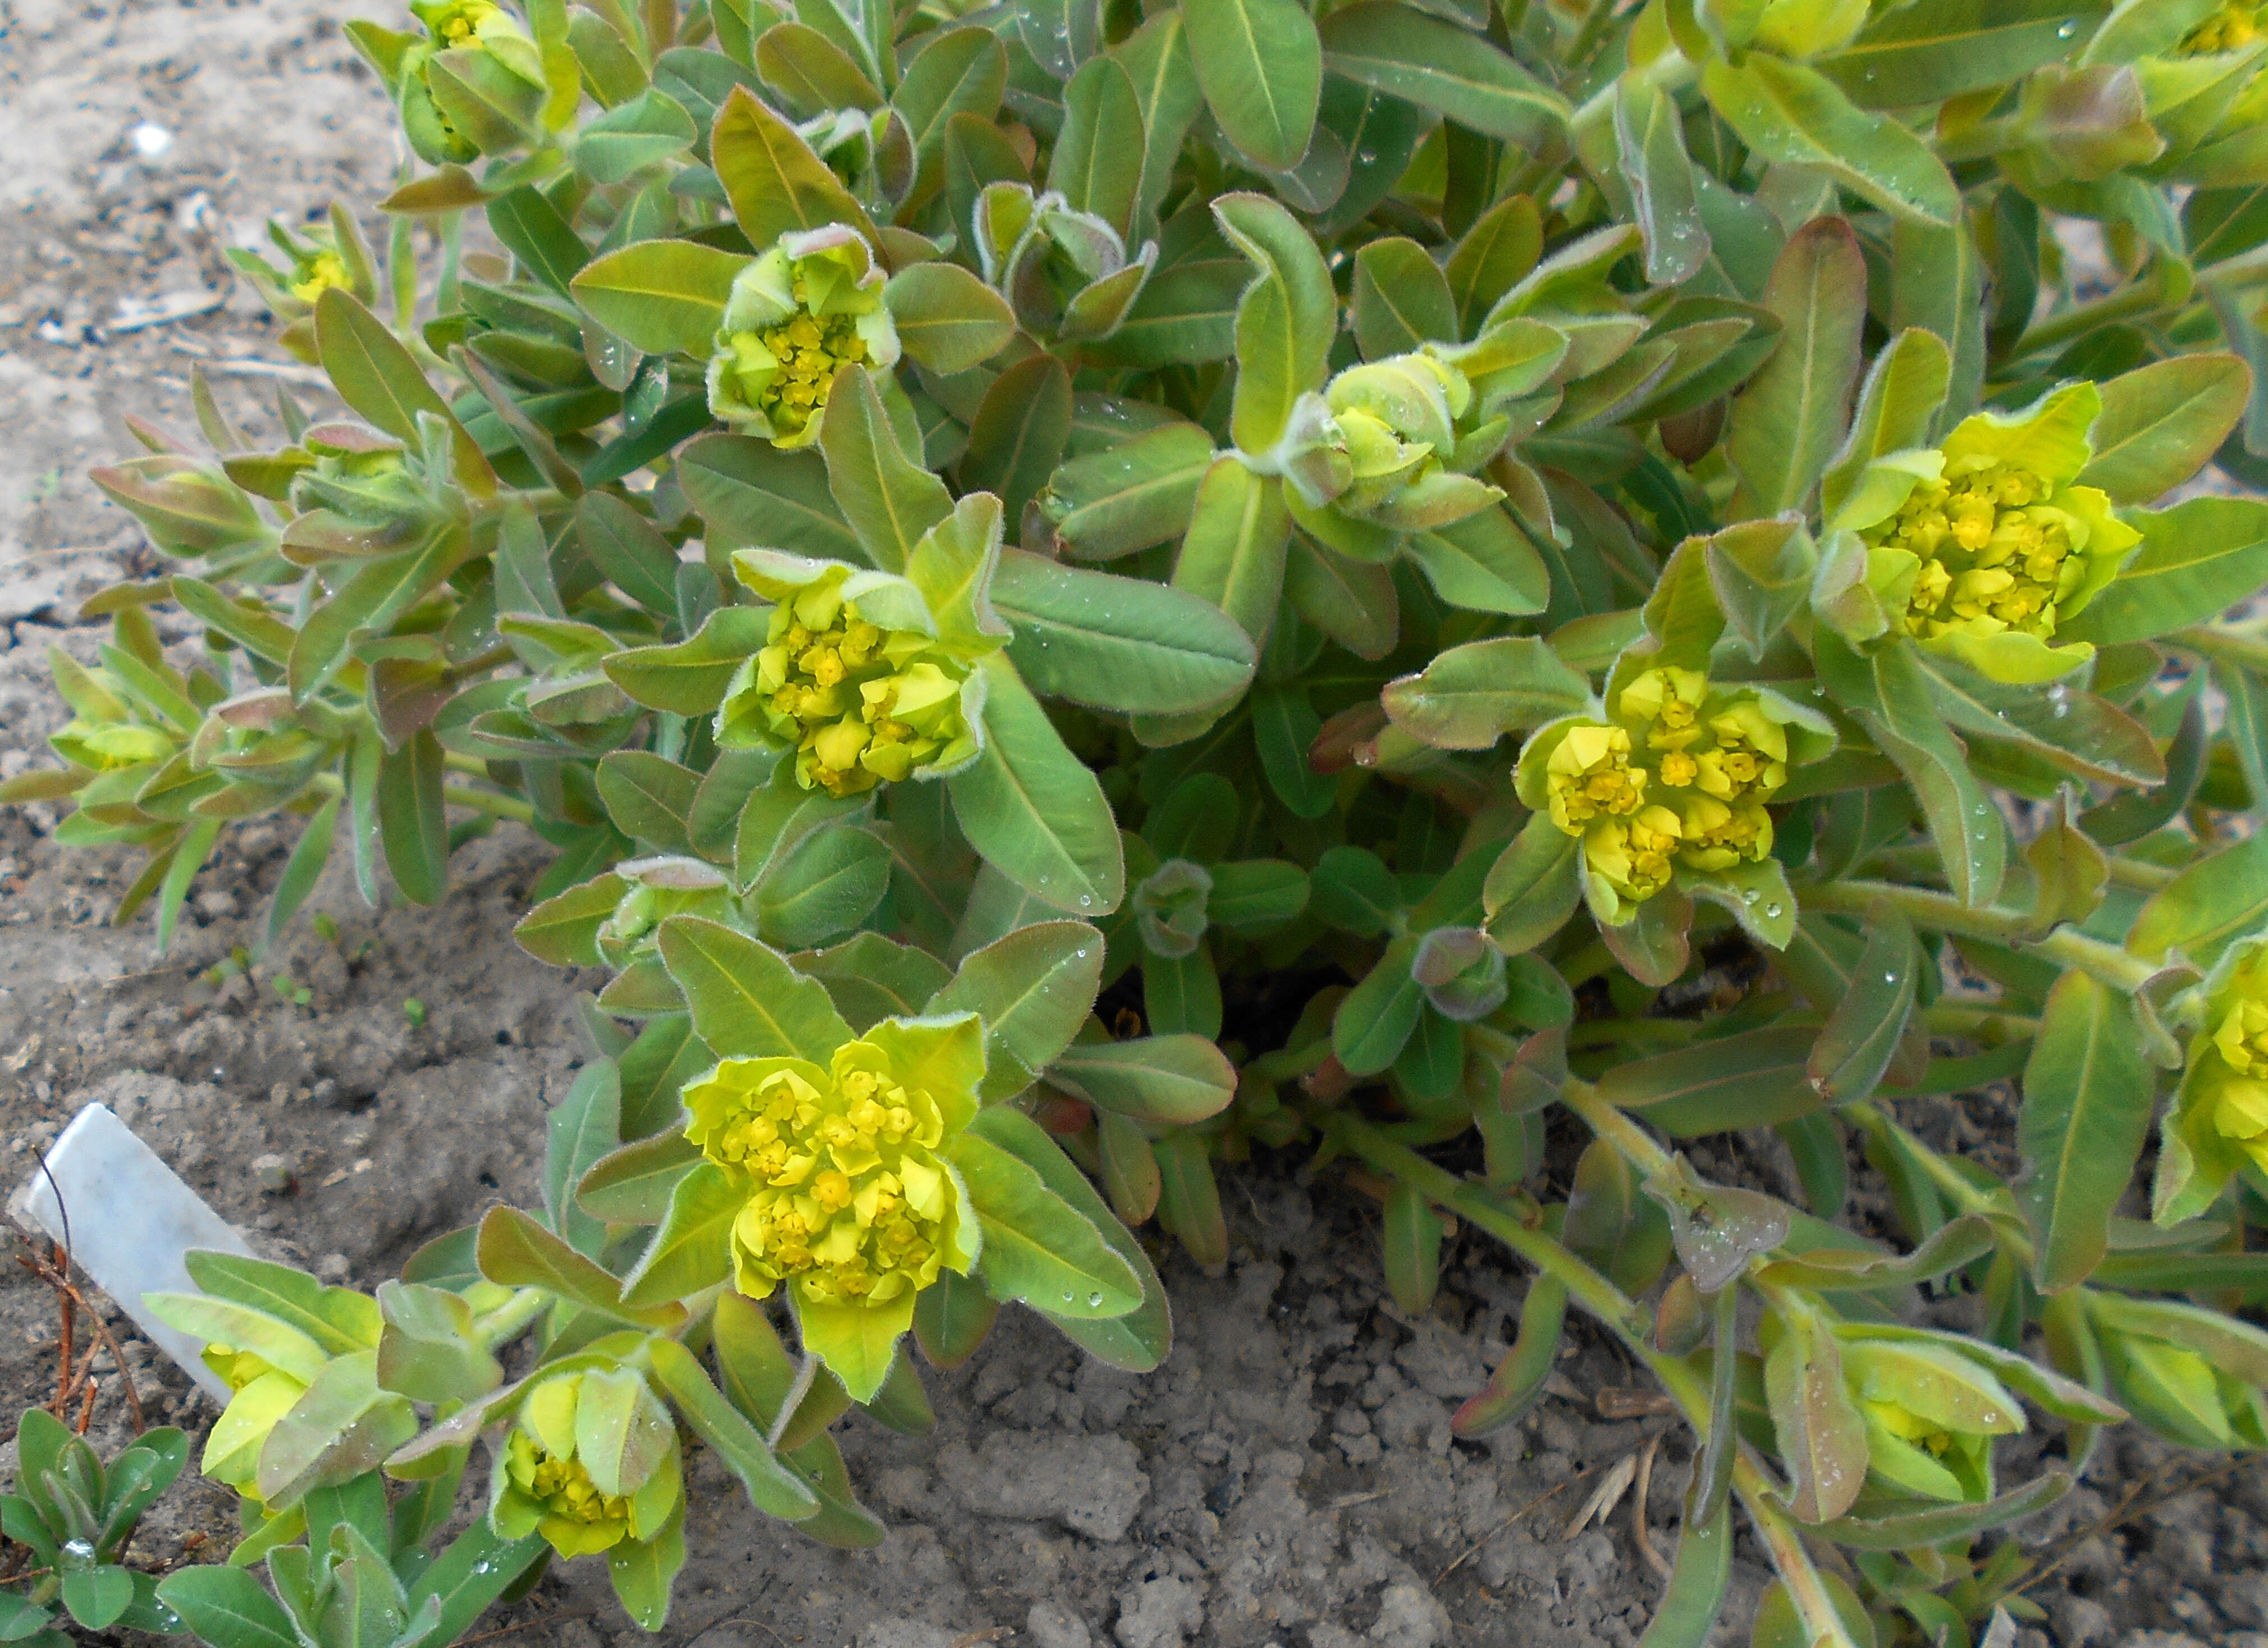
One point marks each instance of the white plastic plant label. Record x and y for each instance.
(126, 1219)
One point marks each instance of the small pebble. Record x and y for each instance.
(274, 1173)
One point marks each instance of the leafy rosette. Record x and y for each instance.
(860, 676)
(1389, 445)
(796, 316)
(1984, 546)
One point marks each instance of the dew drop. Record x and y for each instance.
(1890, 977)
(483, 1568)
(1094, 1301)
(1085, 901)
(1748, 895)
(2066, 29)
(1772, 911)
(1067, 1298)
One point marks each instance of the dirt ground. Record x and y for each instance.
(1287, 1478)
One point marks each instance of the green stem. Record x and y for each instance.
(1593, 29)
(1969, 1019)
(1944, 914)
(1964, 1195)
(2225, 645)
(2081, 318)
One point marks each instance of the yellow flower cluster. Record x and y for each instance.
(2235, 26)
(573, 1510)
(1994, 555)
(1694, 793)
(858, 704)
(459, 24)
(848, 1199)
(317, 275)
(786, 370)
(262, 1393)
(2240, 1041)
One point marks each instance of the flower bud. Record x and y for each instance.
(1809, 29)
(2232, 26)
(1377, 447)
(660, 888)
(807, 308)
(591, 1460)
(1170, 908)
(1931, 1414)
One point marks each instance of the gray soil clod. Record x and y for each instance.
(1287, 1478)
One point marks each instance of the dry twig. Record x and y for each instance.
(1474, 1549)
(1654, 1559)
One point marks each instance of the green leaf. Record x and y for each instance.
(774, 181)
(1532, 887)
(1413, 1235)
(2162, 423)
(666, 297)
(1761, 572)
(957, 71)
(1648, 131)
(1129, 496)
(1097, 164)
(309, 855)
(518, 1253)
(1017, 437)
(97, 1596)
(643, 1571)
(1469, 697)
(948, 319)
(227, 1606)
(1118, 643)
(1169, 1080)
(2195, 560)
(532, 229)
(1287, 319)
(827, 885)
(1402, 298)
(1233, 554)
(649, 798)
(472, 1572)
(1517, 1383)
(2088, 1095)
(1137, 1341)
(811, 73)
(890, 500)
(951, 1316)
(1483, 564)
(748, 1002)
(1787, 424)
(1897, 409)
(340, 1320)
(751, 492)
(630, 550)
(380, 379)
(2208, 906)
(1795, 116)
(1375, 1020)
(1749, 1079)
(1399, 50)
(1261, 67)
(1822, 1439)
(693, 1249)
(411, 820)
(1497, 254)
(1034, 989)
(1944, 1525)
(1686, 1616)
(1033, 810)
(1869, 1020)
(772, 1489)
(633, 1185)
(1937, 49)
(1038, 1248)
(649, 129)
(689, 678)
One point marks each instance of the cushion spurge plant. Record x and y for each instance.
(1087, 596)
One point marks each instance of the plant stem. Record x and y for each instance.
(509, 1321)
(1944, 914)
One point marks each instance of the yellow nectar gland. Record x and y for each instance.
(1908, 1426)
(1992, 556)
(1634, 855)
(2235, 26)
(1591, 776)
(563, 1487)
(318, 275)
(848, 1201)
(2240, 1103)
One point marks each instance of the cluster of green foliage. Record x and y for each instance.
(1082, 587)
